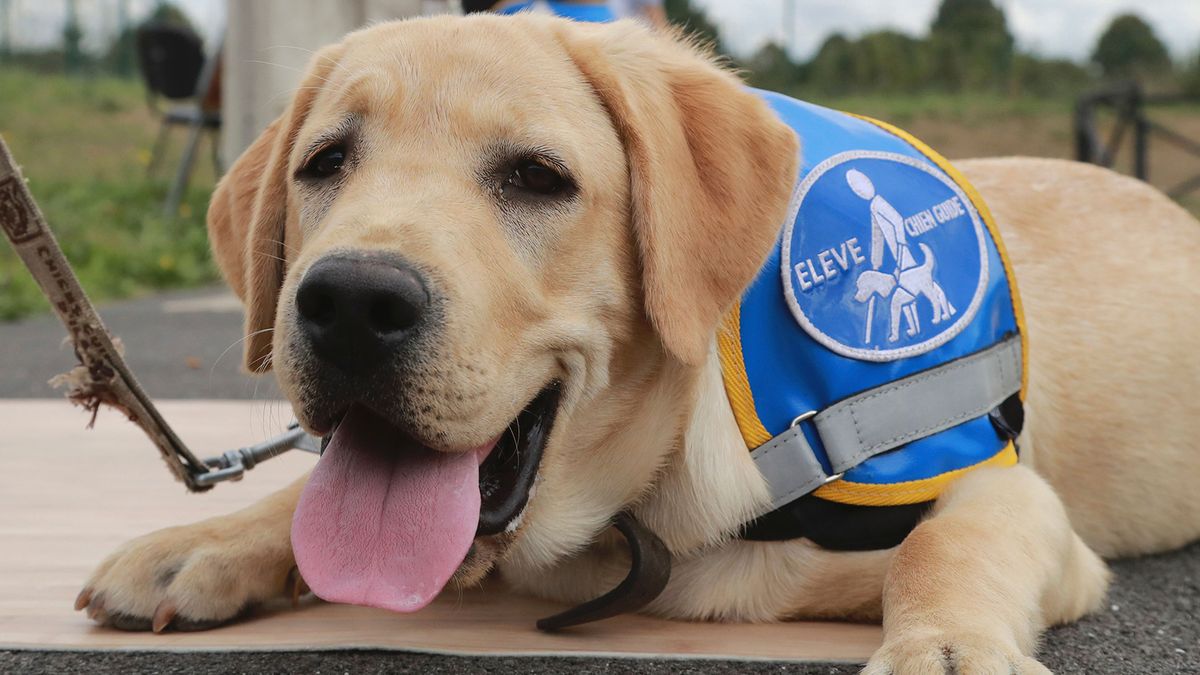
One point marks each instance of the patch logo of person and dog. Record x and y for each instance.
(884, 256)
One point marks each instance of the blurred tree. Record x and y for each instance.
(72, 35)
(772, 68)
(1129, 48)
(833, 68)
(1190, 77)
(5, 29)
(880, 61)
(122, 51)
(891, 61)
(971, 46)
(694, 22)
(1033, 76)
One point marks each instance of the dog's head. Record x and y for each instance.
(489, 256)
(873, 283)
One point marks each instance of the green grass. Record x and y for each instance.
(972, 108)
(976, 109)
(84, 145)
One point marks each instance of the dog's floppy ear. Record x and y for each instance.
(252, 227)
(711, 170)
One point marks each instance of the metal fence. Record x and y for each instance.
(1134, 126)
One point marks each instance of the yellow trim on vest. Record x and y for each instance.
(737, 384)
(908, 492)
(982, 207)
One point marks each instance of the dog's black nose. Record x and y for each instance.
(357, 310)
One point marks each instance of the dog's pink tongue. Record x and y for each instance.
(382, 521)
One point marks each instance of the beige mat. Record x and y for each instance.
(68, 496)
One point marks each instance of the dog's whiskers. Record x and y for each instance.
(270, 256)
(284, 245)
(294, 70)
(296, 47)
(231, 346)
(263, 361)
(515, 431)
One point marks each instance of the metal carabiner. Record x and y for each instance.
(232, 464)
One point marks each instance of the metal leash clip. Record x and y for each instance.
(234, 463)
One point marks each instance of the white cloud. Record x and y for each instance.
(1064, 28)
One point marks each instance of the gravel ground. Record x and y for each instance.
(1150, 624)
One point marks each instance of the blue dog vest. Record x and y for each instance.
(599, 13)
(879, 353)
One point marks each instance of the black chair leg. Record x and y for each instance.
(184, 172)
(218, 167)
(159, 149)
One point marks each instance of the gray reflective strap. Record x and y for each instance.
(789, 465)
(875, 421)
(857, 428)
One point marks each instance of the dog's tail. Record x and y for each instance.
(927, 257)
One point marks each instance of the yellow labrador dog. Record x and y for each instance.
(515, 237)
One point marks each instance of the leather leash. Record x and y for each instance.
(102, 376)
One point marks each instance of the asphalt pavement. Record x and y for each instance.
(185, 345)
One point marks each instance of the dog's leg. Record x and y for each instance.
(914, 321)
(972, 586)
(897, 305)
(931, 293)
(947, 308)
(200, 575)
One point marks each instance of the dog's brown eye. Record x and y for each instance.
(536, 177)
(326, 163)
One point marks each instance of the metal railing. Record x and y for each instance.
(1130, 103)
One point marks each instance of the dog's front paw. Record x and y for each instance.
(937, 653)
(190, 578)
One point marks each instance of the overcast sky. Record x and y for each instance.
(1067, 28)
(38, 23)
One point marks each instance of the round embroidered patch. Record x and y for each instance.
(884, 257)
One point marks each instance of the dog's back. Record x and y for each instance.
(1107, 267)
